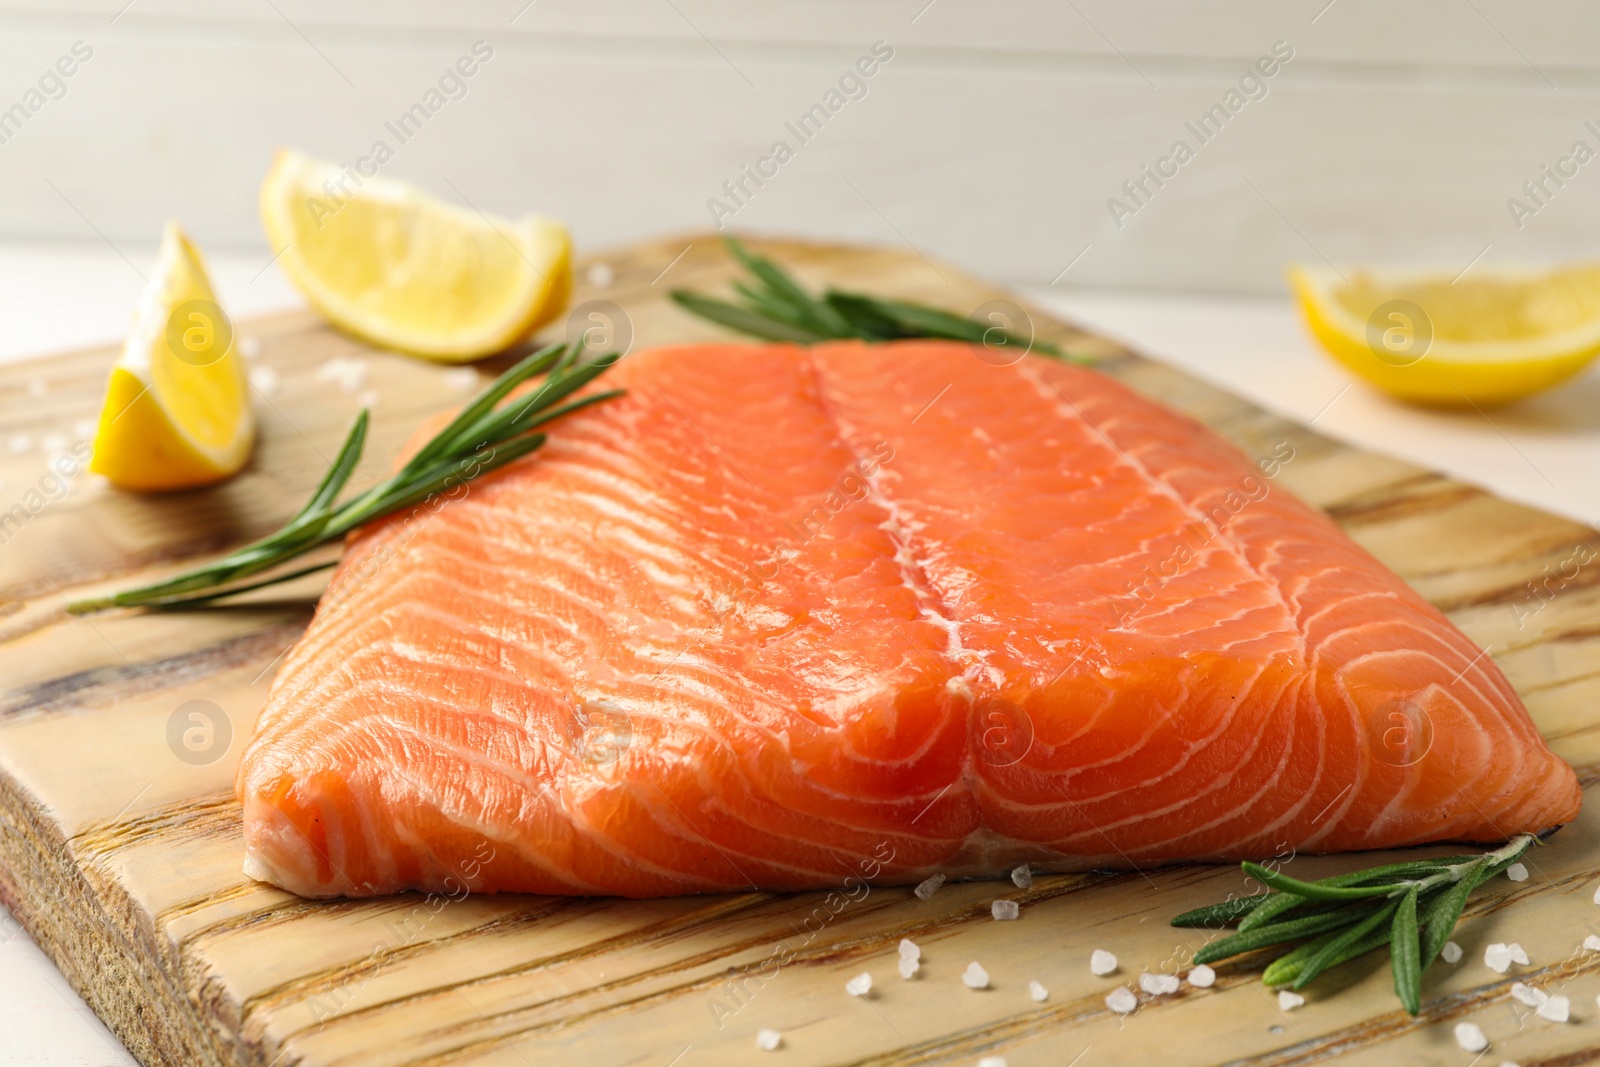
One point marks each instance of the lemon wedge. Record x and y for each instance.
(384, 261)
(177, 409)
(1435, 338)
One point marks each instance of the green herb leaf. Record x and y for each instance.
(484, 436)
(777, 308)
(1312, 890)
(1220, 914)
(1412, 906)
(1282, 932)
(1405, 953)
(1329, 952)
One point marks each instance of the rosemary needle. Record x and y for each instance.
(776, 308)
(1411, 907)
(483, 436)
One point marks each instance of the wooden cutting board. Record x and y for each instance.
(120, 844)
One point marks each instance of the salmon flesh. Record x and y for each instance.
(781, 616)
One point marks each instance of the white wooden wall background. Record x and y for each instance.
(994, 137)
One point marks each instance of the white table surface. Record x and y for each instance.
(1544, 452)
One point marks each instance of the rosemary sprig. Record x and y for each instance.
(483, 436)
(776, 308)
(1412, 907)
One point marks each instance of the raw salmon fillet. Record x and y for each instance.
(780, 616)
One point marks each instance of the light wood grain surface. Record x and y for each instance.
(995, 138)
(123, 860)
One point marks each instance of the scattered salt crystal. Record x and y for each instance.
(992, 1061)
(1202, 976)
(1158, 984)
(1102, 962)
(1509, 1063)
(83, 429)
(347, 373)
(1592, 942)
(1597, 894)
(929, 887)
(909, 949)
(975, 977)
(264, 380)
(1497, 957)
(860, 985)
(18, 443)
(909, 965)
(1288, 1000)
(1004, 910)
(1023, 877)
(1556, 1009)
(1452, 952)
(1518, 953)
(368, 398)
(249, 346)
(1121, 1000)
(1517, 872)
(1470, 1037)
(1528, 995)
(600, 275)
(1038, 992)
(767, 1040)
(460, 379)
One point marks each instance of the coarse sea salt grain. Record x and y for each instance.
(1497, 957)
(1518, 953)
(909, 965)
(600, 275)
(992, 1061)
(860, 985)
(1202, 976)
(1038, 992)
(1470, 1037)
(1022, 877)
(1517, 872)
(347, 373)
(929, 886)
(1121, 1000)
(249, 346)
(1004, 910)
(1451, 952)
(1528, 995)
(264, 380)
(768, 1040)
(1102, 962)
(909, 949)
(460, 379)
(975, 977)
(1556, 1009)
(1592, 942)
(1289, 1000)
(1158, 984)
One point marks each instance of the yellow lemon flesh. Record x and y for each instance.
(177, 409)
(384, 261)
(1487, 338)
